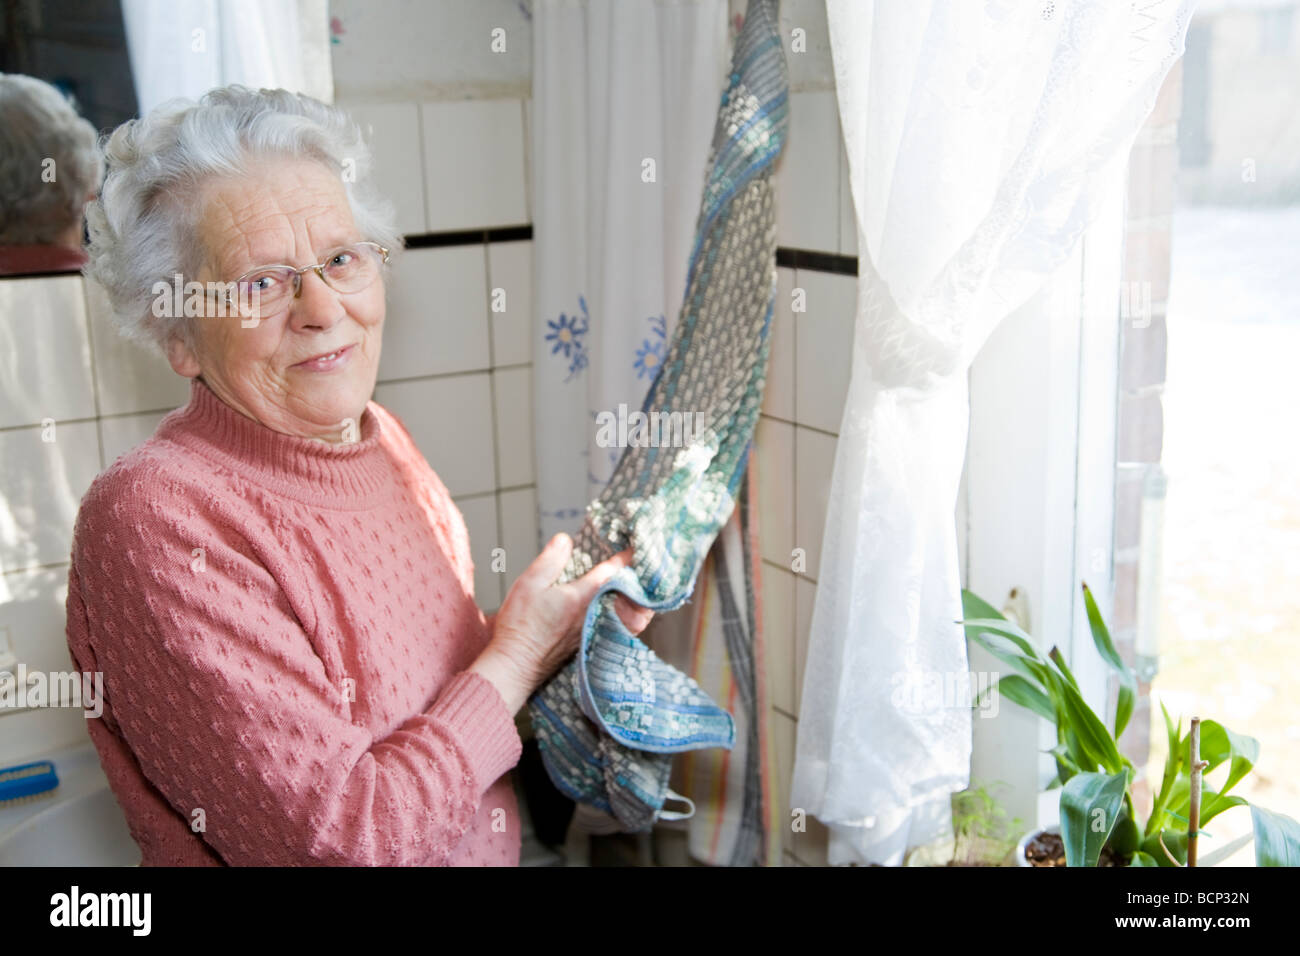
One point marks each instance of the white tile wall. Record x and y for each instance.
(43, 481)
(519, 533)
(120, 433)
(479, 146)
(808, 175)
(392, 131)
(779, 636)
(128, 377)
(480, 513)
(812, 68)
(44, 352)
(805, 595)
(848, 216)
(510, 269)
(823, 348)
(391, 49)
(783, 729)
(450, 419)
(774, 441)
(809, 846)
(814, 463)
(778, 395)
(436, 321)
(795, 446)
(514, 419)
(528, 156)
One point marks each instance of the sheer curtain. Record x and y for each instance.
(979, 136)
(187, 47)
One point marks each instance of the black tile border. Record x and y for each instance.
(808, 259)
(61, 273)
(814, 261)
(467, 237)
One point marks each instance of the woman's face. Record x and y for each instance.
(285, 212)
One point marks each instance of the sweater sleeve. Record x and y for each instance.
(215, 688)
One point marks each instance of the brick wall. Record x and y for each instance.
(1153, 166)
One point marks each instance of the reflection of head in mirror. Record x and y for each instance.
(49, 169)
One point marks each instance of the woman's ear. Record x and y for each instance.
(181, 356)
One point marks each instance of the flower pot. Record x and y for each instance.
(933, 854)
(1029, 838)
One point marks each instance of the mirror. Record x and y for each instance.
(65, 78)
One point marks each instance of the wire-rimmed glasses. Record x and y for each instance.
(264, 292)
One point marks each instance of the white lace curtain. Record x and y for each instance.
(979, 136)
(187, 47)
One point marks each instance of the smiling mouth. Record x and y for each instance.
(325, 358)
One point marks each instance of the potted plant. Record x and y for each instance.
(981, 834)
(1098, 819)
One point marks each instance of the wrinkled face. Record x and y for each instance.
(292, 212)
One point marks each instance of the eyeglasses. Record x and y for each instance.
(267, 290)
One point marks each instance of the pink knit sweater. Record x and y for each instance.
(284, 628)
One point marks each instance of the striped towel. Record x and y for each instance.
(608, 723)
(734, 792)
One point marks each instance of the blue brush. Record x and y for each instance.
(29, 781)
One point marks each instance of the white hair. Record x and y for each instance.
(48, 162)
(144, 226)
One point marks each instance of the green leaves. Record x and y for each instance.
(1020, 691)
(972, 605)
(1091, 804)
(1277, 838)
(1106, 648)
(1213, 802)
(1172, 840)
(1094, 776)
(1126, 837)
(1006, 650)
(1173, 764)
(1097, 743)
(1044, 685)
(1093, 773)
(1218, 744)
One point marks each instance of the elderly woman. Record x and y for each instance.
(276, 586)
(49, 168)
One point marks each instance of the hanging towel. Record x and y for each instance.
(735, 822)
(608, 723)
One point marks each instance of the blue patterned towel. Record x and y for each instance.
(608, 723)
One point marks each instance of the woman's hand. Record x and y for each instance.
(539, 626)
